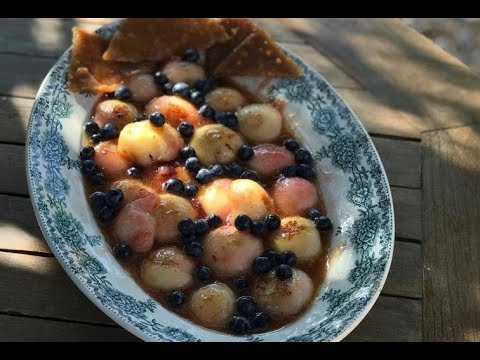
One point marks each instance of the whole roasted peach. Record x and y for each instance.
(167, 268)
(283, 298)
(230, 252)
(294, 196)
(213, 305)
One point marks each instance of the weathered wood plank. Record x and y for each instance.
(278, 33)
(406, 273)
(19, 230)
(391, 319)
(14, 115)
(451, 198)
(379, 117)
(22, 75)
(408, 217)
(20, 329)
(38, 37)
(12, 161)
(325, 67)
(399, 67)
(36, 285)
(402, 161)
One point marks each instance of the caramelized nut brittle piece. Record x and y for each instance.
(249, 52)
(89, 72)
(151, 39)
(238, 29)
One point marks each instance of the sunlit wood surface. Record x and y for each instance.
(409, 94)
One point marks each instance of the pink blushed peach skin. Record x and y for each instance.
(294, 196)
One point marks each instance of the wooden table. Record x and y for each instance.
(422, 108)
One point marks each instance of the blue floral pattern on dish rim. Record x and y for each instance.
(62, 211)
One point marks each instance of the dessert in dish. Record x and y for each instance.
(204, 196)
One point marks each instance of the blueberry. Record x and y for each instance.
(291, 145)
(88, 167)
(230, 120)
(176, 298)
(261, 265)
(96, 138)
(313, 213)
(191, 190)
(167, 88)
(174, 186)
(236, 170)
(186, 129)
(122, 252)
(272, 256)
(207, 111)
(157, 119)
(214, 221)
(303, 156)
(288, 258)
(160, 78)
(243, 222)
(306, 172)
(273, 222)
(217, 170)
(91, 128)
(97, 178)
(289, 171)
(134, 172)
(201, 227)
(284, 272)
(259, 228)
(241, 283)
(204, 176)
(194, 250)
(245, 153)
(250, 174)
(240, 325)
(186, 227)
(246, 305)
(227, 119)
(323, 223)
(191, 55)
(181, 89)
(87, 153)
(187, 152)
(106, 214)
(141, 117)
(197, 98)
(193, 164)
(189, 239)
(260, 321)
(97, 201)
(204, 273)
(206, 85)
(123, 93)
(114, 197)
(109, 131)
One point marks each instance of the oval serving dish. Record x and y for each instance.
(351, 178)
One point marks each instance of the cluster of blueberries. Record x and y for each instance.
(89, 168)
(192, 231)
(204, 175)
(303, 158)
(97, 135)
(106, 204)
